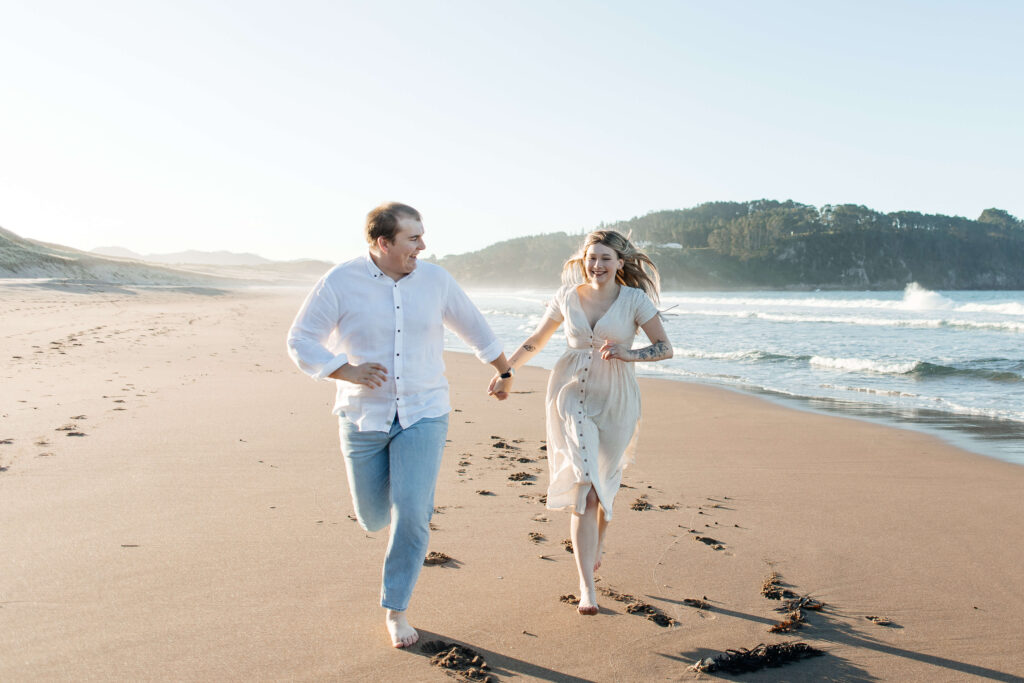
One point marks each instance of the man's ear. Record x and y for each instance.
(383, 244)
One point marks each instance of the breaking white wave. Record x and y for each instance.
(864, 365)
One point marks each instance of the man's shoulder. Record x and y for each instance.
(433, 273)
(355, 265)
(432, 268)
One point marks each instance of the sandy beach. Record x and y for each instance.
(173, 506)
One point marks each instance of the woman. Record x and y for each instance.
(593, 399)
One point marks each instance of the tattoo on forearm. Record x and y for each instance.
(529, 347)
(655, 351)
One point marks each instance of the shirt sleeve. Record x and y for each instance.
(554, 308)
(463, 318)
(311, 331)
(644, 308)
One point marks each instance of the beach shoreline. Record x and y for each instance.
(200, 526)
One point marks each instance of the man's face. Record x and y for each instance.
(399, 257)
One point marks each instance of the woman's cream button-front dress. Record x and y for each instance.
(593, 405)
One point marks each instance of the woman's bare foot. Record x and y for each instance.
(588, 601)
(597, 562)
(402, 635)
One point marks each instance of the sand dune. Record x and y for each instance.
(29, 259)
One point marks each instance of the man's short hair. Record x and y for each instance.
(383, 221)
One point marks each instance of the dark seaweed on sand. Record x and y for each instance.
(635, 605)
(792, 622)
(761, 656)
(457, 660)
(435, 558)
(640, 504)
(773, 590)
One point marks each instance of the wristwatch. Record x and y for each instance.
(507, 374)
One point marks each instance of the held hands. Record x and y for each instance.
(371, 375)
(498, 388)
(611, 351)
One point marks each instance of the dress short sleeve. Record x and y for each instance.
(644, 309)
(555, 306)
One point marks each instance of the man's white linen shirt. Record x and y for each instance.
(357, 314)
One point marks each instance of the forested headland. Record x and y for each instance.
(782, 244)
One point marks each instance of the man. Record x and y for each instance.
(375, 324)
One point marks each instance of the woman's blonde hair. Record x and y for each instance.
(637, 270)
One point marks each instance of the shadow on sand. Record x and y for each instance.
(828, 627)
(500, 665)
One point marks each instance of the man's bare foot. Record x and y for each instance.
(402, 635)
(588, 601)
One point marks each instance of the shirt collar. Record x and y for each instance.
(372, 268)
(378, 274)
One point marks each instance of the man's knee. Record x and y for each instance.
(374, 524)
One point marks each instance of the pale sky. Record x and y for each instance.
(273, 127)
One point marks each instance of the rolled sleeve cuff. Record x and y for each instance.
(490, 352)
(331, 366)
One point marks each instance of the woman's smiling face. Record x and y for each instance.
(601, 263)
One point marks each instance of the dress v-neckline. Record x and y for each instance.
(576, 291)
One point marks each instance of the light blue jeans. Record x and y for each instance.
(392, 476)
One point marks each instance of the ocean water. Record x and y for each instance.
(949, 362)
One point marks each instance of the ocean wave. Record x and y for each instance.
(870, 390)
(915, 298)
(744, 355)
(917, 369)
(1007, 308)
(863, 365)
(864, 321)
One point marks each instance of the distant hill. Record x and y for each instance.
(773, 244)
(190, 257)
(26, 258)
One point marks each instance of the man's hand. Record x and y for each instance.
(499, 387)
(371, 375)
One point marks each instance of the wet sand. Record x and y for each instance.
(173, 506)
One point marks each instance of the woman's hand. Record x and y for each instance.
(611, 351)
(371, 375)
(498, 388)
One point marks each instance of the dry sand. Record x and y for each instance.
(199, 525)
